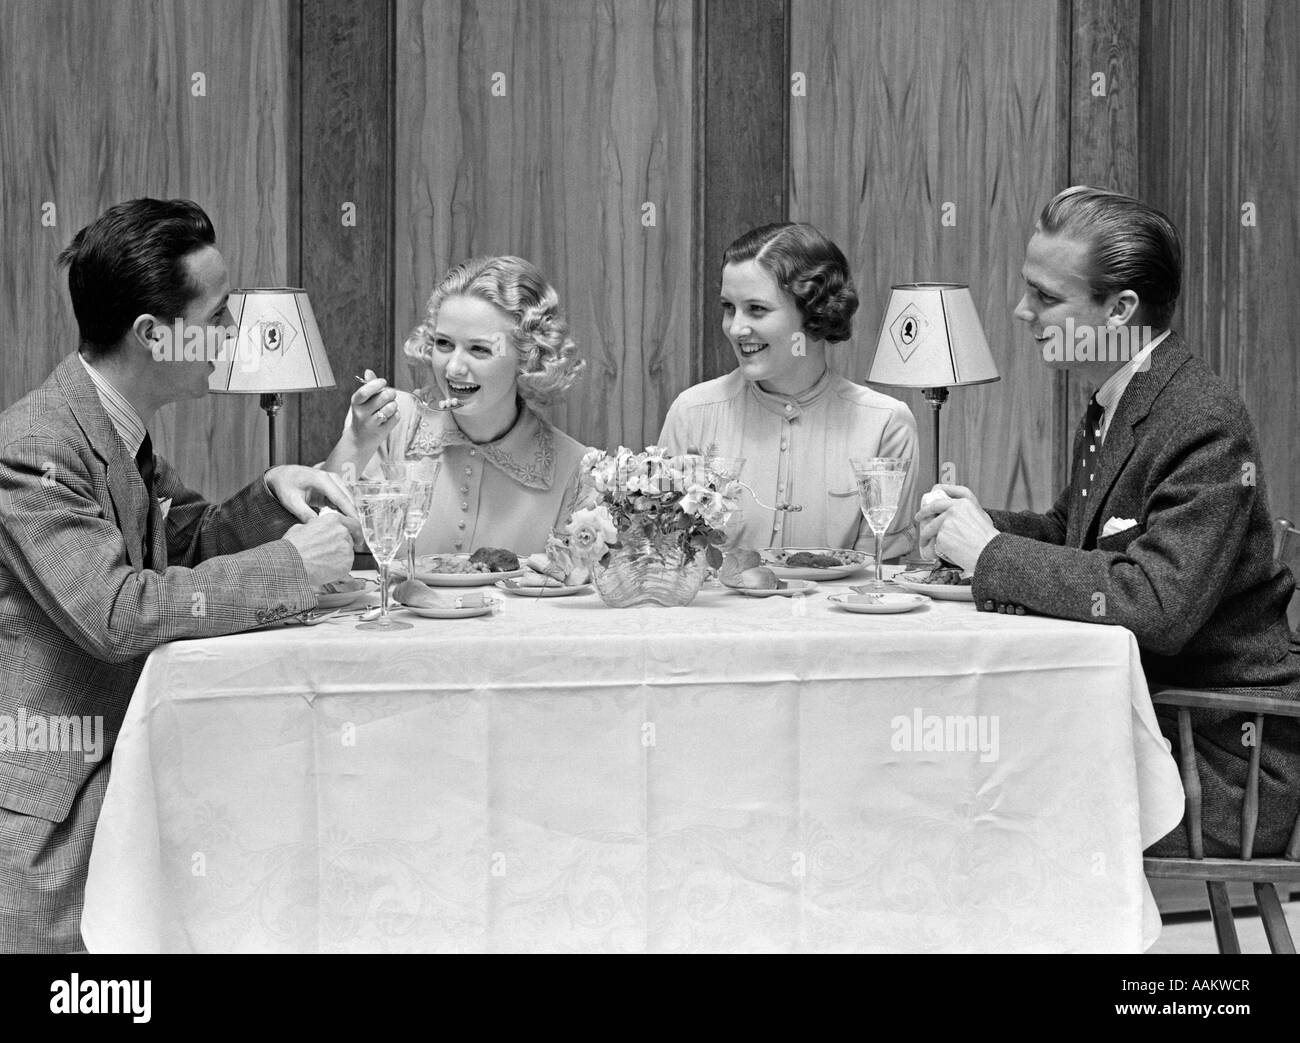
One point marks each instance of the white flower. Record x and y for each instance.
(590, 531)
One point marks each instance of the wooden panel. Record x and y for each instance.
(1103, 122)
(594, 122)
(912, 106)
(741, 184)
(1221, 94)
(95, 108)
(347, 162)
(1268, 365)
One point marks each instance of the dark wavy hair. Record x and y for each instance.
(130, 261)
(809, 267)
(1132, 246)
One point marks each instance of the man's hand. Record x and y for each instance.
(954, 525)
(294, 486)
(325, 546)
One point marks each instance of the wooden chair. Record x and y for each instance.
(1263, 873)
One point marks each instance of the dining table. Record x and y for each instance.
(740, 774)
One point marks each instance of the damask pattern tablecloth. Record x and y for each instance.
(735, 775)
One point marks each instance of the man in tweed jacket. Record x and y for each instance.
(1165, 526)
(95, 571)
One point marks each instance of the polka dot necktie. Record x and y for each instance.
(1092, 436)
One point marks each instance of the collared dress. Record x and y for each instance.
(509, 493)
(797, 450)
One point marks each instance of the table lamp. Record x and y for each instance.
(931, 339)
(276, 349)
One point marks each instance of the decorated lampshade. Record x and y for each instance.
(931, 338)
(277, 347)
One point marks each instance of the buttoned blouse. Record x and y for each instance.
(797, 450)
(509, 493)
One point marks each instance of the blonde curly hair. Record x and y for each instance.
(548, 363)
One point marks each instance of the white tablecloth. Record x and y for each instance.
(731, 775)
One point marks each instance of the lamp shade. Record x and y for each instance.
(931, 338)
(276, 346)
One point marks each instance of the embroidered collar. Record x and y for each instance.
(525, 453)
(791, 406)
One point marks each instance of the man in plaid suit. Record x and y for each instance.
(1165, 526)
(105, 554)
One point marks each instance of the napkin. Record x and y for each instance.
(1117, 525)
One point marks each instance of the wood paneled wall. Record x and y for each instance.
(97, 105)
(620, 145)
(561, 132)
(1221, 156)
(914, 110)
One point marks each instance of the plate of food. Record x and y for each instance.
(483, 568)
(343, 592)
(785, 588)
(815, 563)
(944, 582)
(535, 585)
(422, 600)
(878, 604)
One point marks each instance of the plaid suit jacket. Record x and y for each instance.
(1194, 578)
(79, 613)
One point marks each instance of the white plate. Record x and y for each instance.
(788, 589)
(878, 604)
(938, 591)
(345, 597)
(855, 561)
(454, 613)
(450, 579)
(514, 587)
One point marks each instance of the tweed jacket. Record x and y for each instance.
(79, 612)
(1193, 577)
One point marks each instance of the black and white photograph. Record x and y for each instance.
(650, 477)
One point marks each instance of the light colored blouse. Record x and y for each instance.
(797, 450)
(509, 493)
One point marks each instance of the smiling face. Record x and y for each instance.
(1058, 299)
(763, 324)
(474, 360)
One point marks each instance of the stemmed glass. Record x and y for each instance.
(421, 494)
(383, 508)
(880, 484)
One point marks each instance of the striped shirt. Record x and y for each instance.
(126, 421)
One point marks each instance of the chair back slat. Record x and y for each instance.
(1191, 782)
(1250, 799)
(1292, 852)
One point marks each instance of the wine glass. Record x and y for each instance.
(382, 507)
(880, 484)
(421, 493)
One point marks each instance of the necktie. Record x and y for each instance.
(1092, 439)
(145, 462)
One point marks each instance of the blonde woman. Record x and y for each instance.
(492, 345)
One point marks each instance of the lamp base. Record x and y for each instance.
(271, 402)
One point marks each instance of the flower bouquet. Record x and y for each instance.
(648, 523)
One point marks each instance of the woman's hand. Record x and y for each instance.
(374, 404)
